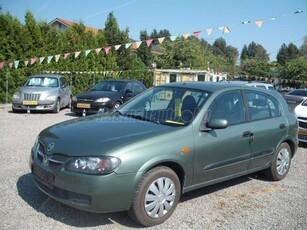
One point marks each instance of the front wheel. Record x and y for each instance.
(57, 106)
(116, 105)
(280, 164)
(156, 197)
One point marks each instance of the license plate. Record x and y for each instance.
(29, 102)
(83, 106)
(43, 176)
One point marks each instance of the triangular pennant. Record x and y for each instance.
(66, 55)
(11, 65)
(273, 18)
(127, 45)
(57, 57)
(196, 33)
(117, 47)
(77, 54)
(186, 35)
(1, 65)
(259, 23)
(209, 31)
(148, 42)
(173, 38)
(32, 61)
(136, 45)
(16, 64)
(246, 22)
(161, 39)
(49, 59)
(41, 59)
(87, 52)
(98, 50)
(227, 29)
(107, 49)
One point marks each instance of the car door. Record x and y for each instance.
(221, 153)
(268, 126)
(129, 91)
(64, 92)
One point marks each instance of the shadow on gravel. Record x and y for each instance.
(302, 145)
(28, 191)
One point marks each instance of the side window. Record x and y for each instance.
(129, 86)
(258, 105)
(228, 106)
(138, 88)
(274, 106)
(63, 82)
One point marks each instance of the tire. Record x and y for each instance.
(116, 105)
(156, 197)
(280, 164)
(57, 107)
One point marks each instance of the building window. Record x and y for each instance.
(172, 77)
(200, 77)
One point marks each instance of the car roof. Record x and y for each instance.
(208, 86)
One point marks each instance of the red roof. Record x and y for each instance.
(69, 23)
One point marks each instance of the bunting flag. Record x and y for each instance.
(41, 59)
(49, 59)
(127, 45)
(107, 49)
(226, 29)
(161, 40)
(173, 38)
(77, 54)
(98, 50)
(32, 61)
(209, 31)
(148, 42)
(196, 33)
(186, 35)
(259, 22)
(87, 52)
(16, 63)
(57, 57)
(136, 45)
(66, 55)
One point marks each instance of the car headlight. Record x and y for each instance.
(51, 97)
(93, 165)
(103, 99)
(74, 98)
(16, 96)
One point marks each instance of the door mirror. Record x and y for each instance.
(214, 124)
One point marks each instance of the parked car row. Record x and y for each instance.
(167, 141)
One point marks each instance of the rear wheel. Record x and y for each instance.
(280, 164)
(156, 197)
(116, 105)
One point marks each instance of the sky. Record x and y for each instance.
(182, 16)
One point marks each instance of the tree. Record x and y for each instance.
(144, 52)
(287, 53)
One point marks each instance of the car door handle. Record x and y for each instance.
(282, 126)
(247, 134)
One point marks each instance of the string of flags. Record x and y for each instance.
(133, 45)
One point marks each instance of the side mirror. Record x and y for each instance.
(214, 124)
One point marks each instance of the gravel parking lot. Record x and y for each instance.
(249, 202)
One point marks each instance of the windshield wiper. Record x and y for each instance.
(139, 117)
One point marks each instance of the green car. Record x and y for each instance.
(167, 141)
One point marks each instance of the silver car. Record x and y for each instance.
(44, 92)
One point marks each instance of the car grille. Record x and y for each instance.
(302, 124)
(85, 100)
(31, 96)
(54, 161)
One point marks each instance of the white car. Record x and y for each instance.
(301, 114)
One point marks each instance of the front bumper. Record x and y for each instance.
(94, 193)
(90, 108)
(302, 129)
(40, 105)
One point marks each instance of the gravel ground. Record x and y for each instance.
(249, 202)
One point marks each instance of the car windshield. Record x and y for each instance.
(42, 82)
(108, 86)
(298, 93)
(304, 103)
(172, 106)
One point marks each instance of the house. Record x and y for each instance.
(62, 25)
(162, 76)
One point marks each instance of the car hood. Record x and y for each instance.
(96, 135)
(37, 90)
(97, 94)
(301, 111)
